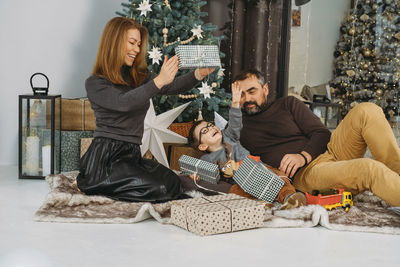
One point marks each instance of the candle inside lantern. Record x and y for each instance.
(46, 160)
(32, 155)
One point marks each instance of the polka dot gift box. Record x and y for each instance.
(217, 214)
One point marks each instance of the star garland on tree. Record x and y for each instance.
(155, 55)
(144, 7)
(197, 31)
(205, 90)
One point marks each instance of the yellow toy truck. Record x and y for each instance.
(331, 198)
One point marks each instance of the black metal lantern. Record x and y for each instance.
(39, 133)
(329, 113)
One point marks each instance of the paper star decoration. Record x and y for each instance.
(156, 132)
(220, 72)
(155, 55)
(220, 121)
(197, 31)
(144, 7)
(205, 90)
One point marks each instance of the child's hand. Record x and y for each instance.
(236, 95)
(192, 177)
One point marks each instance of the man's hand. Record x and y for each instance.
(203, 72)
(290, 163)
(236, 94)
(168, 71)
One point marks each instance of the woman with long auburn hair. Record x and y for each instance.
(119, 91)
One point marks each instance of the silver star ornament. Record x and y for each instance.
(155, 55)
(144, 7)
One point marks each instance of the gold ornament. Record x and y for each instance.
(391, 113)
(167, 4)
(364, 17)
(379, 92)
(397, 36)
(367, 52)
(365, 66)
(350, 73)
(352, 31)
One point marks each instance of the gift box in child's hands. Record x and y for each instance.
(257, 180)
(217, 214)
(206, 171)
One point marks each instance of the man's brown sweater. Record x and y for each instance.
(286, 126)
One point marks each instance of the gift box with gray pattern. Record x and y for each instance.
(257, 180)
(217, 214)
(206, 171)
(198, 56)
(71, 149)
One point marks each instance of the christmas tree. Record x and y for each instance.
(171, 23)
(366, 65)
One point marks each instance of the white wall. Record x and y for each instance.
(58, 38)
(313, 43)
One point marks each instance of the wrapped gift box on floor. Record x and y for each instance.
(206, 171)
(217, 214)
(85, 143)
(257, 180)
(77, 115)
(70, 149)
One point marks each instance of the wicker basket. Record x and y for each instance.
(181, 128)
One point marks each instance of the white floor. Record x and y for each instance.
(26, 243)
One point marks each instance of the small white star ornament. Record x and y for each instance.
(144, 7)
(205, 90)
(155, 55)
(221, 72)
(156, 132)
(197, 31)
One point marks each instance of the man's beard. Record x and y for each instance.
(255, 109)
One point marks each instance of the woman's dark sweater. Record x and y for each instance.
(120, 109)
(286, 126)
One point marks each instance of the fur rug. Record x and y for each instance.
(65, 203)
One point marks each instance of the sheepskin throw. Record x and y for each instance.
(65, 203)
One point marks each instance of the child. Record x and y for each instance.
(224, 149)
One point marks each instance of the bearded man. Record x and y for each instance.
(287, 135)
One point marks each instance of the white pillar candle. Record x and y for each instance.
(46, 160)
(32, 155)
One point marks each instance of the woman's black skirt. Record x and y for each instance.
(116, 169)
